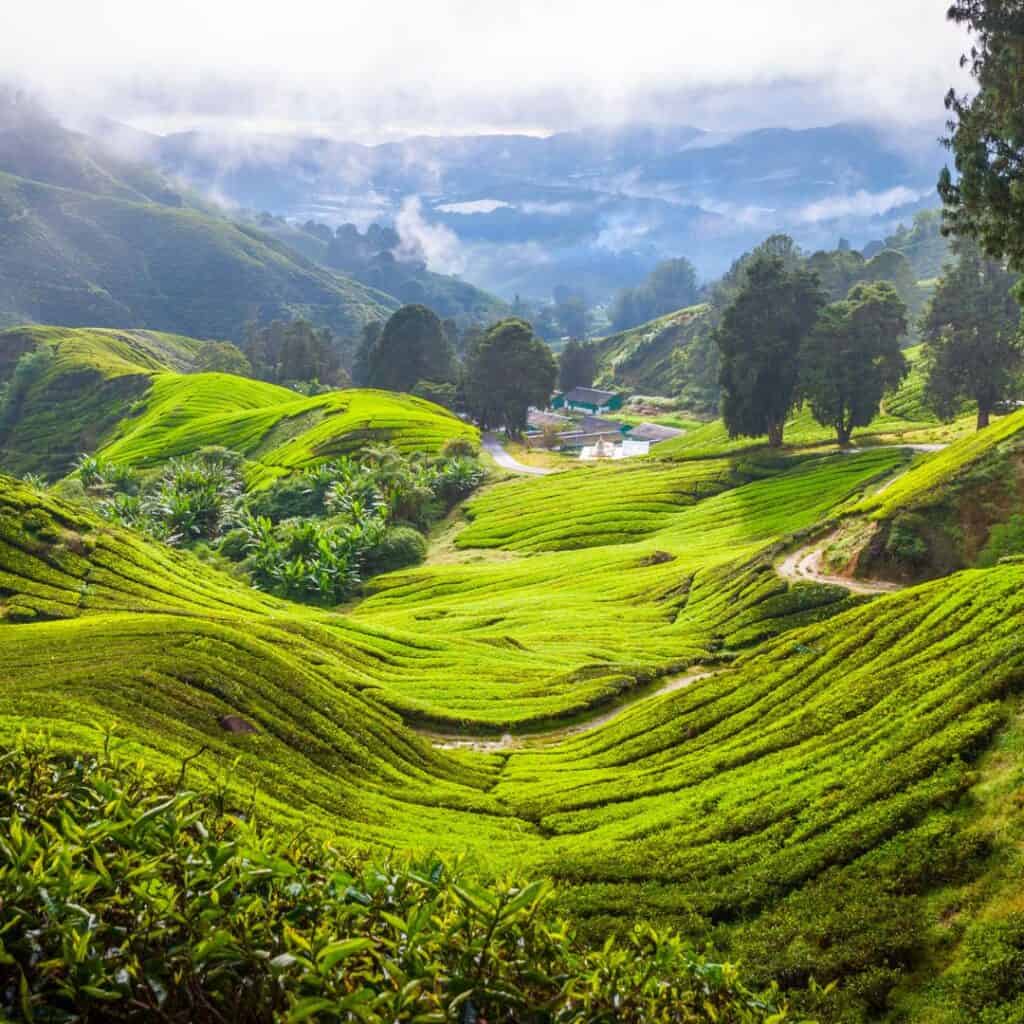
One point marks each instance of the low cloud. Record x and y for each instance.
(860, 204)
(435, 244)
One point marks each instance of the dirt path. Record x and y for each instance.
(508, 742)
(804, 566)
(493, 448)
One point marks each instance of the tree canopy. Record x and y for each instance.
(670, 286)
(986, 200)
(852, 357)
(294, 352)
(972, 330)
(413, 346)
(508, 369)
(577, 365)
(760, 337)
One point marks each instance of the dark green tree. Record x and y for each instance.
(972, 331)
(508, 370)
(572, 316)
(986, 200)
(852, 358)
(760, 338)
(670, 286)
(412, 347)
(368, 337)
(577, 365)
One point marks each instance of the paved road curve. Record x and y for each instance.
(493, 447)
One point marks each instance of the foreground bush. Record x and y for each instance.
(125, 899)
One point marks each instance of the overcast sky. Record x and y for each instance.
(371, 70)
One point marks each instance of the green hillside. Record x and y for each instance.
(128, 395)
(409, 282)
(838, 759)
(78, 386)
(277, 430)
(640, 360)
(72, 257)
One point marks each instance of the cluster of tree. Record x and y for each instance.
(499, 373)
(972, 332)
(293, 353)
(782, 342)
(670, 286)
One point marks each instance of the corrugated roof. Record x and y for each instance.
(590, 396)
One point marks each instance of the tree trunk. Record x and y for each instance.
(775, 435)
(843, 435)
(984, 412)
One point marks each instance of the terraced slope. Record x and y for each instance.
(86, 381)
(552, 635)
(814, 808)
(129, 395)
(276, 429)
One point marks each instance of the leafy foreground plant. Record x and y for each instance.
(123, 898)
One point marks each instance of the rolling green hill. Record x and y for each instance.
(825, 804)
(71, 257)
(278, 431)
(128, 395)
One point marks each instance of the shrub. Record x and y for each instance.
(1004, 541)
(123, 898)
(29, 370)
(905, 543)
(194, 498)
(456, 447)
(400, 546)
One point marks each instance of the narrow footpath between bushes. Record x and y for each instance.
(492, 745)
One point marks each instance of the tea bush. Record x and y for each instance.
(128, 898)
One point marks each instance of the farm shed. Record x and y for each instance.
(587, 400)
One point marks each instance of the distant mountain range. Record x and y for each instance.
(592, 210)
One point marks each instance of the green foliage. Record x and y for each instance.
(29, 370)
(101, 252)
(921, 483)
(294, 353)
(223, 357)
(577, 365)
(670, 286)
(654, 358)
(508, 369)
(412, 347)
(124, 897)
(445, 393)
(971, 331)
(852, 358)
(986, 201)
(1005, 540)
(760, 338)
(399, 548)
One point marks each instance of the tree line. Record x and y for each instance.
(782, 343)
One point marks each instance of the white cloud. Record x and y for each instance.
(436, 244)
(377, 70)
(860, 204)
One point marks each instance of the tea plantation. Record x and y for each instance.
(837, 802)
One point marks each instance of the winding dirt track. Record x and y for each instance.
(489, 745)
(804, 566)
